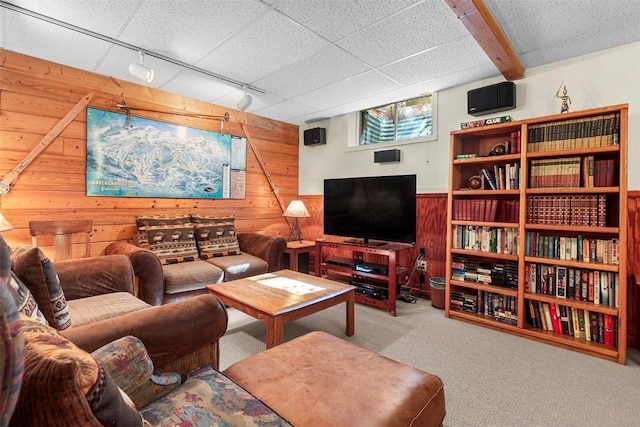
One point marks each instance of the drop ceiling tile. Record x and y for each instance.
(43, 40)
(507, 11)
(413, 31)
(188, 30)
(101, 16)
(355, 88)
(195, 85)
(269, 44)
(285, 110)
(445, 59)
(325, 67)
(335, 19)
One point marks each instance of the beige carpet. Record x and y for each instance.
(491, 378)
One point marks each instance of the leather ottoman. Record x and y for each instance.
(320, 380)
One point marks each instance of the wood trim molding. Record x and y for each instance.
(475, 16)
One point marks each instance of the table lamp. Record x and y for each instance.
(295, 210)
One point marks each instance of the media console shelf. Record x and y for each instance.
(344, 269)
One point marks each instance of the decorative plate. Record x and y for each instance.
(475, 182)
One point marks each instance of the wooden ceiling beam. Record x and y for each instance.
(483, 27)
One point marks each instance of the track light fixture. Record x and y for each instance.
(141, 71)
(245, 101)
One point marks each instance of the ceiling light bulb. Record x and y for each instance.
(245, 101)
(140, 71)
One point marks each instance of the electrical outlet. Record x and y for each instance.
(421, 265)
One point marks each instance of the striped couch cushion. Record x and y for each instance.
(106, 306)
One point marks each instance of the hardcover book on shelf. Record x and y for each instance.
(561, 282)
(489, 179)
(547, 316)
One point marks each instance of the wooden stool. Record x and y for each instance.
(62, 232)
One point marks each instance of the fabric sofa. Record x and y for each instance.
(176, 257)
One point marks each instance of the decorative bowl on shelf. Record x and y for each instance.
(498, 150)
(475, 182)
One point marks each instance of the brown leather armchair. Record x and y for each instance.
(99, 292)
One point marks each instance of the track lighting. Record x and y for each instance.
(141, 71)
(245, 101)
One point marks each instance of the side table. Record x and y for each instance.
(296, 256)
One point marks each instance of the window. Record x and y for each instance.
(400, 121)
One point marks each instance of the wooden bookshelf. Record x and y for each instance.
(562, 254)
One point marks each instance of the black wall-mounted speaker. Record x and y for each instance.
(490, 99)
(315, 136)
(386, 156)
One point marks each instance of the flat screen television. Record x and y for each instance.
(379, 208)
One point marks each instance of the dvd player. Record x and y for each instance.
(369, 267)
(343, 262)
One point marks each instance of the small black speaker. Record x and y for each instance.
(315, 136)
(491, 99)
(386, 156)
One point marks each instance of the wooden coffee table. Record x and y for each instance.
(284, 296)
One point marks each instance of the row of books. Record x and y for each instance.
(601, 173)
(506, 177)
(556, 172)
(581, 324)
(598, 287)
(503, 240)
(496, 274)
(572, 172)
(581, 210)
(502, 308)
(574, 248)
(570, 134)
(464, 301)
(487, 210)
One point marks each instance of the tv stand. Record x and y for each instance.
(367, 280)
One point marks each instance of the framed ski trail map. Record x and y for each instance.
(130, 156)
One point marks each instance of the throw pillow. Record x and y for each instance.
(216, 236)
(144, 221)
(64, 385)
(24, 299)
(11, 347)
(38, 273)
(172, 243)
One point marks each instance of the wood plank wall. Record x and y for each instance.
(36, 94)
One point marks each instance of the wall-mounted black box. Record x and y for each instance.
(386, 156)
(315, 136)
(491, 99)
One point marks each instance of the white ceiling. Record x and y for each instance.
(312, 58)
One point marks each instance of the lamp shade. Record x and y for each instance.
(296, 209)
(244, 102)
(141, 72)
(5, 225)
